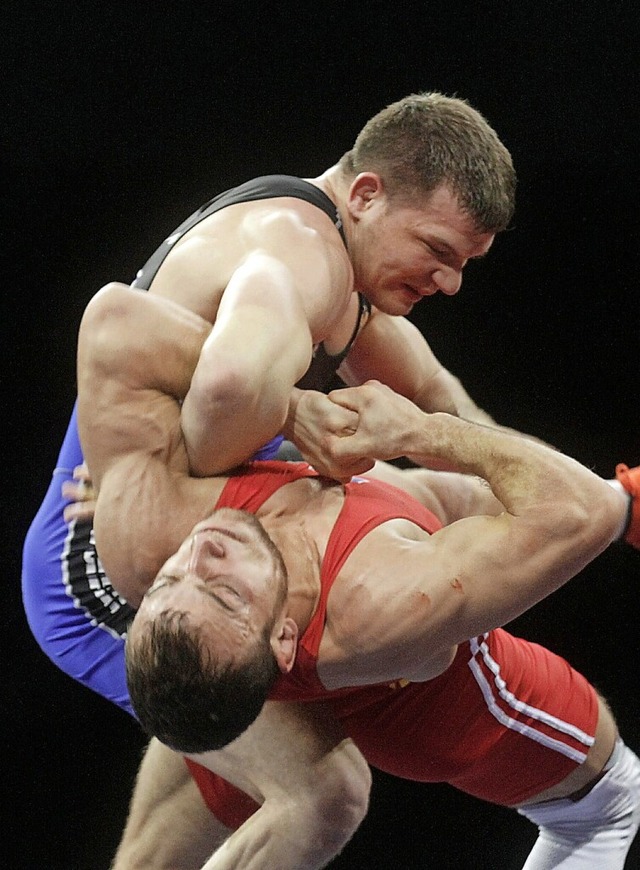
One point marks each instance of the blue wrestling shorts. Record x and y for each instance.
(74, 613)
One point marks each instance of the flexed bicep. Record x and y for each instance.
(259, 346)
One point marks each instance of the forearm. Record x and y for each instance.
(287, 835)
(225, 424)
(237, 402)
(313, 785)
(554, 506)
(391, 350)
(445, 392)
(524, 475)
(519, 471)
(259, 347)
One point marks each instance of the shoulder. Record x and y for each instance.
(300, 239)
(295, 228)
(377, 609)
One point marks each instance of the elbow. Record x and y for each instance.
(223, 383)
(107, 314)
(593, 525)
(111, 304)
(575, 531)
(350, 802)
(225, 419)
(230, 388)
(228, 413)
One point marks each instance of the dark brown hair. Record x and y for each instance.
(426, 140)
(186, 698)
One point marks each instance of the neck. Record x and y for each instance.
(302, 560)
(335, 185)
(299, 519)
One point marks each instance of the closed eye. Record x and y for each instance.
(229, 599)
(217, 598)
(437, 251)
(162, 581)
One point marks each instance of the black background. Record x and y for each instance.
(119, 120)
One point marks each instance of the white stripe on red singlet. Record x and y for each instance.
(522, 707)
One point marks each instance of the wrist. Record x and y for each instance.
(289, 423)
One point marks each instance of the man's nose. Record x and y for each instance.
(448, 279)
(205, 547)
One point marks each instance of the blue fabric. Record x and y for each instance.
(85, 651)
(270, 449)
(66, 631)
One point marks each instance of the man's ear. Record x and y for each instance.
(365, 190)
(285, 644)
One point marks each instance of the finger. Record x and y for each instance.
(79, 510)
(344, 472)
(340, 412)
(75, 491)
(349, 398)
(346, 429)
(347, 417)
(81, 473)
(79, 492)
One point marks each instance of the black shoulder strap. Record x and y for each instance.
(264, 187)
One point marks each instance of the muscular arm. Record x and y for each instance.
(260, 345)
(289, 283)
(312, 783)
(391, 350)
(312, 786)
(482, 571)
(136, 354)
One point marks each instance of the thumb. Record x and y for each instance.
(348, 397)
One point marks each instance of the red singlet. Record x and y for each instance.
(505, 721)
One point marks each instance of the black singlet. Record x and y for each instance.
(323, 367)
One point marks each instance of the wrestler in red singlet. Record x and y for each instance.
(505, 721)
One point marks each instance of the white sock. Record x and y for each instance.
(596, 832)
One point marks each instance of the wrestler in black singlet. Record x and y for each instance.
(74, 612)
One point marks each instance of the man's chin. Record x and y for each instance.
(398, 301)
(397, 305)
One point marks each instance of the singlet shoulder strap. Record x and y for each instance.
(264, 187)
(274, 186)
(324, 365)
(368, 503)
